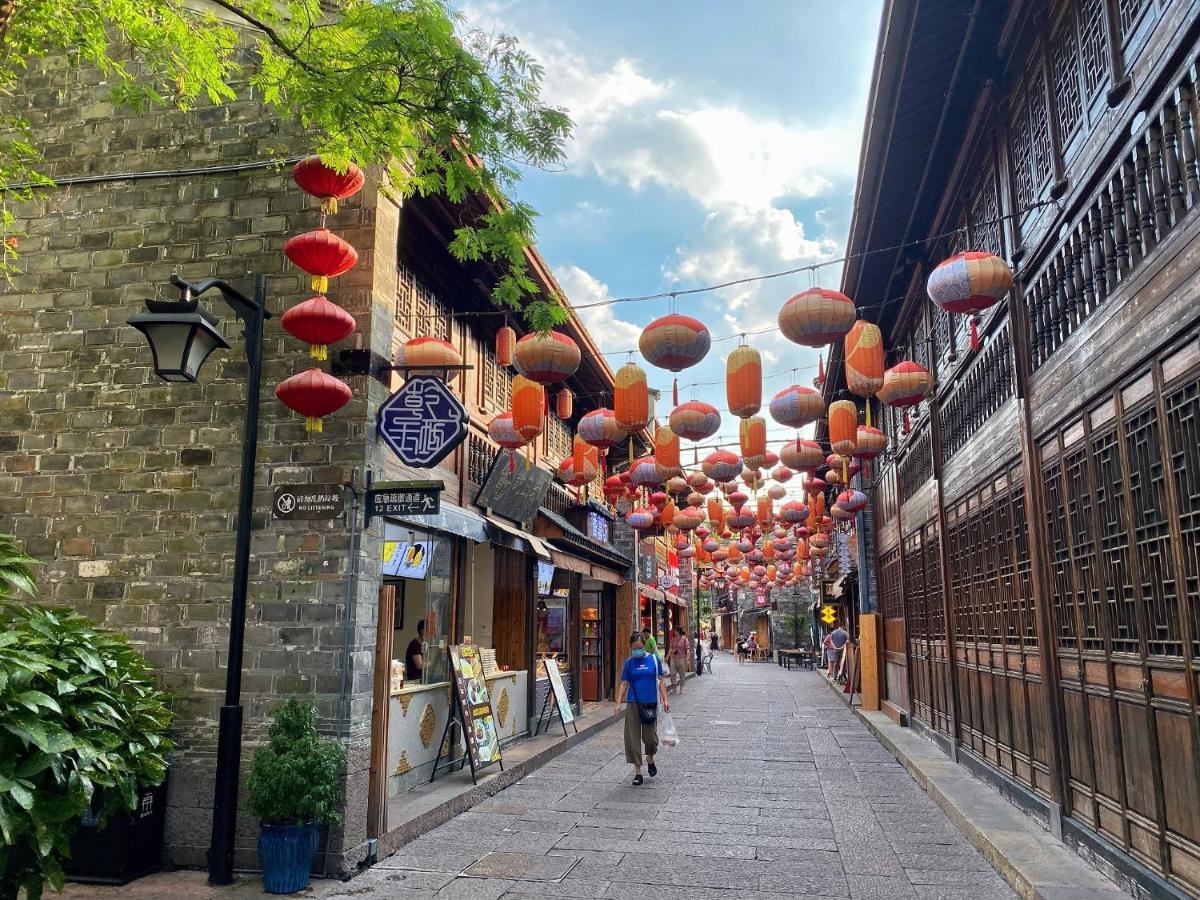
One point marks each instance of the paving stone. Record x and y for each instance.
(474, 889)
(522, 866)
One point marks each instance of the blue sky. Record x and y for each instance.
(713, 140)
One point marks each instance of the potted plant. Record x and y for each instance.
(294, 788)
(83, 732)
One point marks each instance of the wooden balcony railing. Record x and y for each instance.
(1147, 192)
(977, 393)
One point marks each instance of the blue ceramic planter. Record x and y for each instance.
(286, 854)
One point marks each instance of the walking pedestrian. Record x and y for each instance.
(649, 642)
(741, 650)
(699, 641)
(677, 658)
(714, 642)
(839, 637)
(643, 681)
(831, 653)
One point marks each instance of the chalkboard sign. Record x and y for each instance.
(517, 494)
(475, 707)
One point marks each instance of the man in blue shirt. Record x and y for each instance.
(643, 681)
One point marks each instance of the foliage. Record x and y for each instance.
(81, 724)
(296, 775)
(394, 83)
(16, 569)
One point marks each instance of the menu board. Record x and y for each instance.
(483, 743)
(402, 559)
(559, 690)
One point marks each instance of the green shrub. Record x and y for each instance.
(80, 717)
(296, 775)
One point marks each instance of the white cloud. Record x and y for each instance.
(611, 333)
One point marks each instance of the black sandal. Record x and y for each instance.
(637, 779)
(652, 769)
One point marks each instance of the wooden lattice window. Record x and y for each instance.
(933, 584)
(1114, 541)
(891, 599)
(985, 212)
(1064, 62)
(914, 588)
(1006, 586)
(1021, 150)
(1128, 14)
(1062, 590)
(1183, 424)
(1039, 125)
(406, 298)
(1093, 45)
(1022, 628)
(1089, 599)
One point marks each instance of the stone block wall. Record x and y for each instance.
(125, 486)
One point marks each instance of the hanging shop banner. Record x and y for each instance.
(402, 559)
(483, 743)
(515, 495)
(559, 690)
(422, 422)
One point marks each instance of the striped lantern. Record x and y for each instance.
(816, 317)
(793, 511)
(631, 398)
(506, 341)
(695, 498)
(801, 454)
(864, 359)
(640, 519)
(969, 282)
(770, 459)
(782, 474)
(752, 437)
(645, 472)
(528, 407)
(601, 429)
(698, 480)
(503, 432)
(678, 486)
(674, 342)
(666, 514)
(687, 519)
(776, 492)
(905, 384)
(431, 352)
(564, 404)
(743, 381)
(871, 442)
(737, 499)
(843, 427)
(721, 465)
(576, 472)
(546, 357)
(666, 449)
(695, 420)
(851, 500)
(796, 406)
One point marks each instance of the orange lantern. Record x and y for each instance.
(631, 398)
(694, 420)
(871, 442)
(801, 454)
(716, 514)
(864, 359)
(546, 357)
(843, 427)
(506, 341)
(666, 449)
(766, 511)
(528, 407)
(431, 352)
(743, 381)
(753, 439)
(816, 317)
(905, 384)
(669, 511)
(564, 404)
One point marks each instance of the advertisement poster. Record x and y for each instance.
(407, 560)
(560, 691)
(482, 741)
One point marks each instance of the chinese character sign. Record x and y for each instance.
(422, 422)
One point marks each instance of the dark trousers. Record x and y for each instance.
(699, 662)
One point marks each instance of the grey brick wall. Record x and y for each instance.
(124, 486)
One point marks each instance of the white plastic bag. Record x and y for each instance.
(670, 737)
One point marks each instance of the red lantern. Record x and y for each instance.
(506, 340)
(694, 420)
(564, 404)
(546, 357)
(326, 182)
(503, 432)
(721, 465)
(318, 323)
(905, 384)
(313, 394)
(322, 254)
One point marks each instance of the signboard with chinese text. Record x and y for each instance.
(422, 422)
(598, 526)
(404, 498)
(515, 495)
(475, 706)
(308, 501)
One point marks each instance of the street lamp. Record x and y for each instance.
(181, 337)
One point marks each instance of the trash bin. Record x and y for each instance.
(127, 847)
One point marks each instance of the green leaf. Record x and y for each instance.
(34, 700)
(22, 795)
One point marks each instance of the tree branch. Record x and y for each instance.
(271, 33)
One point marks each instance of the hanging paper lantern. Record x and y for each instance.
(843, 426)
(782, 474)
(721, 465)
(969, 282)
(601, 429)
(546, 357)
(710, 546)
(614, 487)
(645, 472)
(770, 458)
(793, 511)
(322, 254)
(503, 432)
(698, 480)
(666, 514)
(564, 404)
(631, 398)
(570, 471)
(687, 519)
(326, 182)
(640, 519)
(678, 486)
(753, 440)
(851, 500)
(658, 499)
(816, 317)
(695, 498)
(318, 323)
(737, 499)
(841, 514)
(905, 384)
(777, 492)
(506, 341)
(716, 513)
(766, 509)
(429, 356)
(666, 449)
(674, 342)
(743, 381)
(801, 454)
(528, 407)
(864, 359)
(796, 406)
(313, 394)
(743, 518)
(694, 420)
(871, 442)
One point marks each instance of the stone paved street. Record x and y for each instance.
(775, 790)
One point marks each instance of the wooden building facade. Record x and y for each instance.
(1038, 524)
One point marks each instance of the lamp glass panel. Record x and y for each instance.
(170, 341)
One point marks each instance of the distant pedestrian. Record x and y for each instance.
(714, 642)
(648, 640)
(831, 653)
(677, 658)
(752, 646)
(839, 637)
(741, 650)
(643, 682)
(699, 643)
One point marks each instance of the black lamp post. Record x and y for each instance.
(181, 337)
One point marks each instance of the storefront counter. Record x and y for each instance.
(417, 719)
